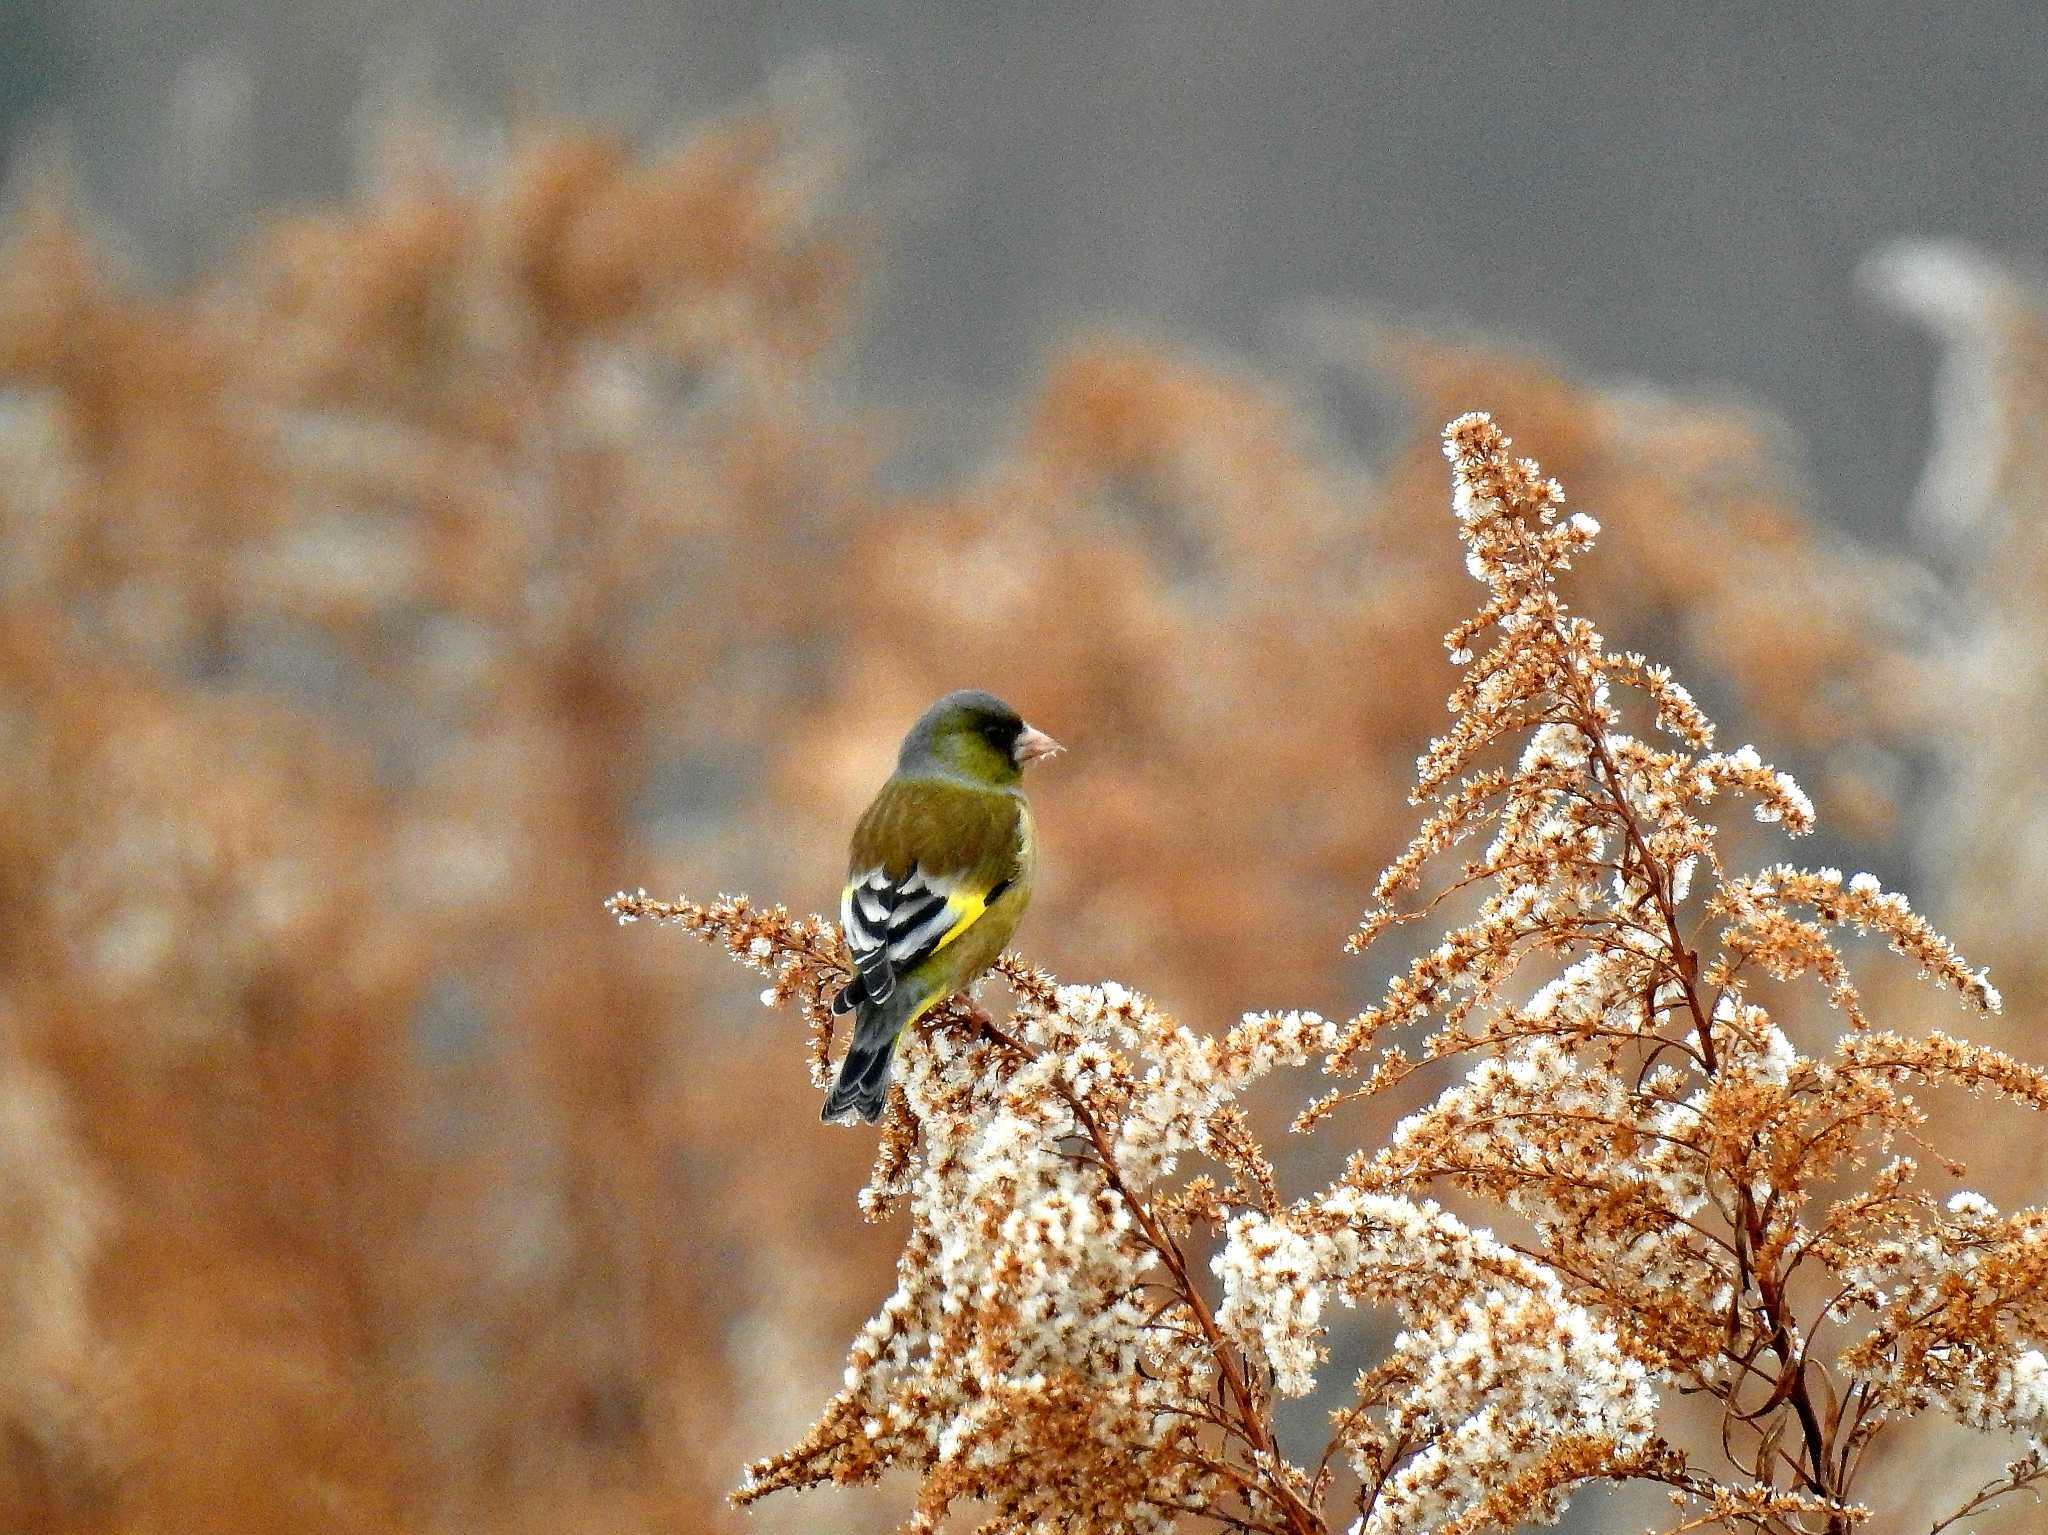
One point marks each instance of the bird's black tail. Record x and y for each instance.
(863, 1083)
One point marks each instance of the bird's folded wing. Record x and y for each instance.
(928, 860)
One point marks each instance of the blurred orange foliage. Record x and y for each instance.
(372, 609)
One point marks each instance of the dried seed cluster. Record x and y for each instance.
(1102, 1292)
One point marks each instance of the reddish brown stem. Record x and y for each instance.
(1750, 1232)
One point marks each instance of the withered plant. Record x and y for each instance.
(1103, 1294)
(338, 633)
(434, 555)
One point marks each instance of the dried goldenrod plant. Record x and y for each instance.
(350, 619)
(366, 602)
(1103, 1295)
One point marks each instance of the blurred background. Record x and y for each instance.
(457, 461)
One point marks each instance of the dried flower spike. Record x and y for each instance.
(1103, 1290)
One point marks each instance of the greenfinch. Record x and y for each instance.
(939, 872)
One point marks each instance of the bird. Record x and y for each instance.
(937, 877)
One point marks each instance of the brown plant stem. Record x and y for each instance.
(1750, 1234)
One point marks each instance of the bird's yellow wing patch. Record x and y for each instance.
(967, 908)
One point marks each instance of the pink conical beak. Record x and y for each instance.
(1033, 744)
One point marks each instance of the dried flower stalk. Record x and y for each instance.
(1707, 1211)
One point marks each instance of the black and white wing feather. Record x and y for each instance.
(894, 924)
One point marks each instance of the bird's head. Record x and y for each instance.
(974, 735)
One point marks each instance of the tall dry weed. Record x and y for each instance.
(1104, 1295)
(442, 556)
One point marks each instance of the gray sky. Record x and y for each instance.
(1675, 193)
